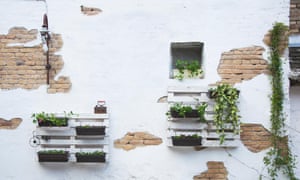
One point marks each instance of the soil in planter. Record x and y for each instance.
(44, 157)
(90, 158)
(193, 114)
(188, 141)
(90, 131)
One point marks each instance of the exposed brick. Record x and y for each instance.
(136, 139)
(242, 64)
(24, 67)
(11, 124)
(90, 10)
(216, 171)
(294, 16)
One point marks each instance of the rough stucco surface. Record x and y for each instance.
(22, 65)
(242, 64)
(216, 171)
(10, 124)
(123, 56)
(136, 139)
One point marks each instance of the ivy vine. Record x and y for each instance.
(226, 110)
(279, 157)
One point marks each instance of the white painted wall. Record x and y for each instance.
(122, 55)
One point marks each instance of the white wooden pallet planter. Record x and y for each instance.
(189, 95)
(66, 138)
(193, 95)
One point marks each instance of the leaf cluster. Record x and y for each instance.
(52, 152)
(192, 66)
(95, 153)
(226, 110)
(51, 119)
(183, 136)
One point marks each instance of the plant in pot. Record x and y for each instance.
(96, 156)
(186, 140)
(90, 130)
(49, 119)
(178, 110)
(187, 69)
(53, 156)
(226, 110)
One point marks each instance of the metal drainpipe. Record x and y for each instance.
(48, 66)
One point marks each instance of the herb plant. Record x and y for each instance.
(50, 119)
(193, 68)
(95, 153)
(52, 152)
(181, 109)
(183, 136)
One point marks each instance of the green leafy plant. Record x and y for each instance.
(49, 119)
(226, 110)
(96, 156)
(183, 136)
(193, 68)
(95, 153)
(275, 159)
(201, 111)
(52, 152)
(181, 109)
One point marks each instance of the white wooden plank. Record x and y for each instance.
(227, 126)
(51, 132)
(187, 89)
(83, 116)
(227, 135)
(187, 99)
(74, 142)
(216, 143)
(188, 125)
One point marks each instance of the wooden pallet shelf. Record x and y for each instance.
(66, 138)
(207, 130)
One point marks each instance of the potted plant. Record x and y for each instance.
(90, 130)
(96, 156)
(187, 140)
(49, 119)
(187, 69)
(178, 110)
(53, 156)
(226, 110)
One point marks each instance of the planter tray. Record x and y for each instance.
(90, 131)
(53, 157)
(91, 158)
(186, 142)
(193, 114)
